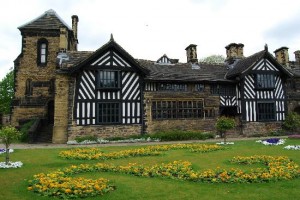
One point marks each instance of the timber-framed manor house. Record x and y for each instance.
(109, 93)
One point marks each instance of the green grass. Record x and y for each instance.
(14, 181)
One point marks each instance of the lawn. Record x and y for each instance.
(14, 182)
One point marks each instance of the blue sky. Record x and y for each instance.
(147, 29)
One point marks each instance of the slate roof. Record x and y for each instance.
(184, 72)
(49, 20)
(245, 64)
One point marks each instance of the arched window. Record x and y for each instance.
(42, 52)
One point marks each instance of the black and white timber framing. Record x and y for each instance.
(124, 100)
(251, 96)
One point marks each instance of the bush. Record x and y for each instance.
(88, 137)
(224, 124)
(181, 135)
(24, 130)
(292, 121)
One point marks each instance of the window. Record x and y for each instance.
(266, 111)
(199, 87)
(108, 80)
(265, 81)
(223, 90)
(108, 113)
(172, 87)
(177, 109)
(42, 49)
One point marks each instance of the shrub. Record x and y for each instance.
(224, 124)
(24, 130)
(292, 121)
(87, 137)
(181, 135)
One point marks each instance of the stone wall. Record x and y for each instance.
(20, 113)
(61, 109)
(103, 131)
(260, 128)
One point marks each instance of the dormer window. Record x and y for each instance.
(42, 48)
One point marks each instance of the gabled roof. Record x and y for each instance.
(48, 20)
(184, 72)
(246, 64)
(79, 60)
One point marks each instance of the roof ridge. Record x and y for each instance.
(48, 12)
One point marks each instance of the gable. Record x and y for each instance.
(265, 65)
(110, 56)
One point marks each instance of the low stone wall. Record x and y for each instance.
(181, 124)
(260, 128)
(104, 131)
(27, 113)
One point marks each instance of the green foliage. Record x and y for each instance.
(6, 92)
(87, 137)
(292, 121)
(215, 59)
(8, 134)
(224, 124)
(24, 130)
(181, 135)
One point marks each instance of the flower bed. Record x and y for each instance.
(59, 183)
(272, 141)
(97, 154)
(292, 147)
(4, 150)
(11, 164)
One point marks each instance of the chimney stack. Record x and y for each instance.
(75, 21)
(297, 56)
(191, 53)
(235, 51)
(282, 56)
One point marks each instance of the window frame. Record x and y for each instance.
(42, 42)
(177, 109)
(172, 87)
(264, 81)
(269, 113)
(114, 109)
(108, 74)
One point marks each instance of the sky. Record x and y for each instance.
(147, 29)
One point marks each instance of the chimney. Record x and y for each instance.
(297, 56)
(234, 50)
(282, 56)
(75, 21)
(191, 53)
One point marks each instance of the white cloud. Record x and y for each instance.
(149, 29)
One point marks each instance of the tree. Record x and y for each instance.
(6, 92)
(213, 59)
(224, 124)
(8, 134)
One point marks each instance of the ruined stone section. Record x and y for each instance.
(104, 131)
(60, 129)
(27, 113)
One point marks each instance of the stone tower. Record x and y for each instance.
(42, 39)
